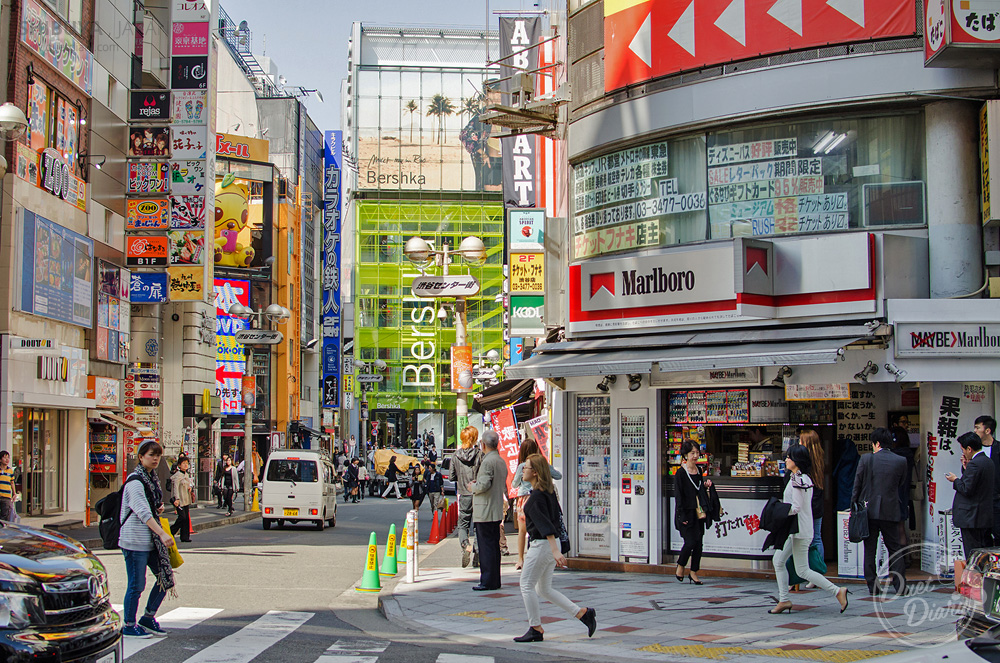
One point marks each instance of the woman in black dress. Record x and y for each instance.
(690, 514)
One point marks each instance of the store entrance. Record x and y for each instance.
(391, 428)
(38, 448)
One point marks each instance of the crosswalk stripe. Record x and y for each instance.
(346, 658)
(350, 645)
(132, 646)
(462, 658)
(253, 639)
(185, 618)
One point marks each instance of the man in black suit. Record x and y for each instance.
(985, 425)
(972, 510)
(879, 483)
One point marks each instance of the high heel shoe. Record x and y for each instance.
(679, 578)
(780, 608)
(846, 600)
(697, 582)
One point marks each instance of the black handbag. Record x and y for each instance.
(563, 534)
(857, 522)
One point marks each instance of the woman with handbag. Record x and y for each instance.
(798, 494)
(542, 516)
(690, 514)
(415, 491)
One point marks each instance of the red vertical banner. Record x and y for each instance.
(505, 425)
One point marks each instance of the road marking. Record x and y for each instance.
(253, 639)
(462, 658)
(358, 646)
(132, 646)
(185, 618)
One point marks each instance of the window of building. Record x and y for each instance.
(53, 121)
(70, 11)
(784, 178)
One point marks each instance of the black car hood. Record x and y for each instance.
(44, 553)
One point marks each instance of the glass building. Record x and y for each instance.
(424, 166)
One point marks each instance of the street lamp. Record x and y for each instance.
(277, 314)
(422, 254)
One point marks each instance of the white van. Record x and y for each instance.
(299, 485)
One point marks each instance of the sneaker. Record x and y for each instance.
(150, 624)
(135, 631)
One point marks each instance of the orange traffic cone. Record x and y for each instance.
(454, 514)
(451, 519)
(190, 524)
(435, 532)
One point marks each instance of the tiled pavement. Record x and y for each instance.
(655, 618)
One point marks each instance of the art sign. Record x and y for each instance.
(520, 153)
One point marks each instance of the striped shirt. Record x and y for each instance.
(135, 535)
(7, 484)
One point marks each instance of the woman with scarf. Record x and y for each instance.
(144, 543)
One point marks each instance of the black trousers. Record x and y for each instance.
(694, 536)
(488, 537)
(892, 534)
(976, 537)
(996, 523)
(227, 498)
(182, 524)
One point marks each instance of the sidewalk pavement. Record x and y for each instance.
(206, 516)
(655, 618)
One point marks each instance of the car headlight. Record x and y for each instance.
(18, 611)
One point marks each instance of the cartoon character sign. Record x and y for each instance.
(232, 212)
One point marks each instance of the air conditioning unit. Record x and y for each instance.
(282, 187)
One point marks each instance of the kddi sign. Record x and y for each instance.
(55, 174)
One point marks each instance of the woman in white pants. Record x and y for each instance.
(798, 493)
(541, 515)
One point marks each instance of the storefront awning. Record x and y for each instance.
(683, 358)
(502, 394)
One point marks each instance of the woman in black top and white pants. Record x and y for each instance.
(691, 493)
(541, 517)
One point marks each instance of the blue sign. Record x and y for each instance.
(333, 159)
(516, 349)
(58, 277)
(148, 287)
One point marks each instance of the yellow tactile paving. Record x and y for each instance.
(723, 653)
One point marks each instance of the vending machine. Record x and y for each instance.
(633, 493)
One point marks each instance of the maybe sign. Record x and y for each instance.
(259, 336)
(918, 339)
(445, 286)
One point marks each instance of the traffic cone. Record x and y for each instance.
(451, 521)
(190, 524)
(370, 581)
(255, 505)
(389, 561)
(435, 532)
(401, 548)
(454, 513)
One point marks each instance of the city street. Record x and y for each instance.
(286, 596)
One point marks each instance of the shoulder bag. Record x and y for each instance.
(857, 523)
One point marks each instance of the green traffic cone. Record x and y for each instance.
(401, 548)
(389, 561)
(370, 581)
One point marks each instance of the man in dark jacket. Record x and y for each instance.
(879, 484)
(972, 510)
(220, 469)
(985, 426)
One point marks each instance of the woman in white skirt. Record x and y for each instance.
(541, 516)
(798, 493)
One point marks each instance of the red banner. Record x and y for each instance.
(653, 38)
(505, 425)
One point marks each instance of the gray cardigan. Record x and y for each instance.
(135, 513)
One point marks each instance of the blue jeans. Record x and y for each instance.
(818, 536)
(136, 562)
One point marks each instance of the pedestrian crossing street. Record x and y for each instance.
(261, 635)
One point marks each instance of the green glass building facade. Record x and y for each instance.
(404, 331)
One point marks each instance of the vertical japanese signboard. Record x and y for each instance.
(517, 34)
(230, 360)
(505, 425)
(333, 153)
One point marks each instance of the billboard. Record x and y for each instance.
(230, 359)
(57, 278)
(652, 38)
(330, 314)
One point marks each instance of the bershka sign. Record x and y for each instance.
(149, 105)
(922, 339)
(517, 34)
(445, 286)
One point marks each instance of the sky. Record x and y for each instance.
(307, 39)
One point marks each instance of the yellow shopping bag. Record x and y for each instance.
(175, 555)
